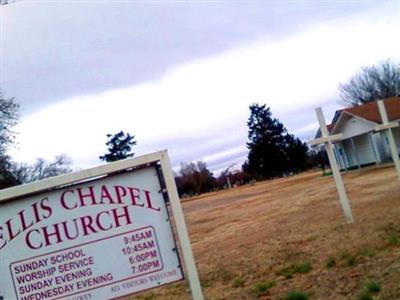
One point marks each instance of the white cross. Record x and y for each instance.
(327, 140)
(387, 127)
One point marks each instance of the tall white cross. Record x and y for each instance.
(327, 140)
(387, 127)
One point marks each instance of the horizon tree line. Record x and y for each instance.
(273, 151)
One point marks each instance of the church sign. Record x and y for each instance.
(100, 234)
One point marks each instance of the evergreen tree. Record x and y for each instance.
(266, 136)
(296, 153)
(119, 146)
(273, 151)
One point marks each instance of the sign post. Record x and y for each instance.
(387, 127)
(327, 140)
(100, 233)
(173, 196)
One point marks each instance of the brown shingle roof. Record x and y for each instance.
(370, 110)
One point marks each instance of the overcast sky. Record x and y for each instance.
(180, 75)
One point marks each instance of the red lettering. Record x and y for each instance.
(86, 222)
(89, 195)
(28, 239)
(148, 200)
(135, 195)
(23, 221)
(11, 234)
(121, 192)
(45, 207)
(66, 230)
(125, 215)
(105, 194)
(63, 202)
(48, 235)
(99, 223)
(36, 212)
(4, 242)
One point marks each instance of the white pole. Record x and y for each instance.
(335, 169)
(389, 134)
(183, 235)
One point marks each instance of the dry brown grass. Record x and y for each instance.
(249, 234)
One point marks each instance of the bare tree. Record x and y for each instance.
(42, 169)
(195, 178)
(372, 83)
(9, 113)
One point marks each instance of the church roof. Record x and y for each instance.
(371, 113)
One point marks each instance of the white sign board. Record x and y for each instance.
(100, 239)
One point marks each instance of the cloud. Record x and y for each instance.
(86, 47)
(313, 126)
(199, 109)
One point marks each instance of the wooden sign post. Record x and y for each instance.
(327, 140)
(100, 233)
(387, 126)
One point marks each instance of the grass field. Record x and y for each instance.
(276, 237)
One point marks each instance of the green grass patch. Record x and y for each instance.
(373, 287)
(238, 282)
(392, 231)
(261, 287)
(367, 252)
(302, 267)
(288, 272)
(296, 295)
(365, 296)
(330, 262)
(393, 239)
(370, 288)
(349, 259)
